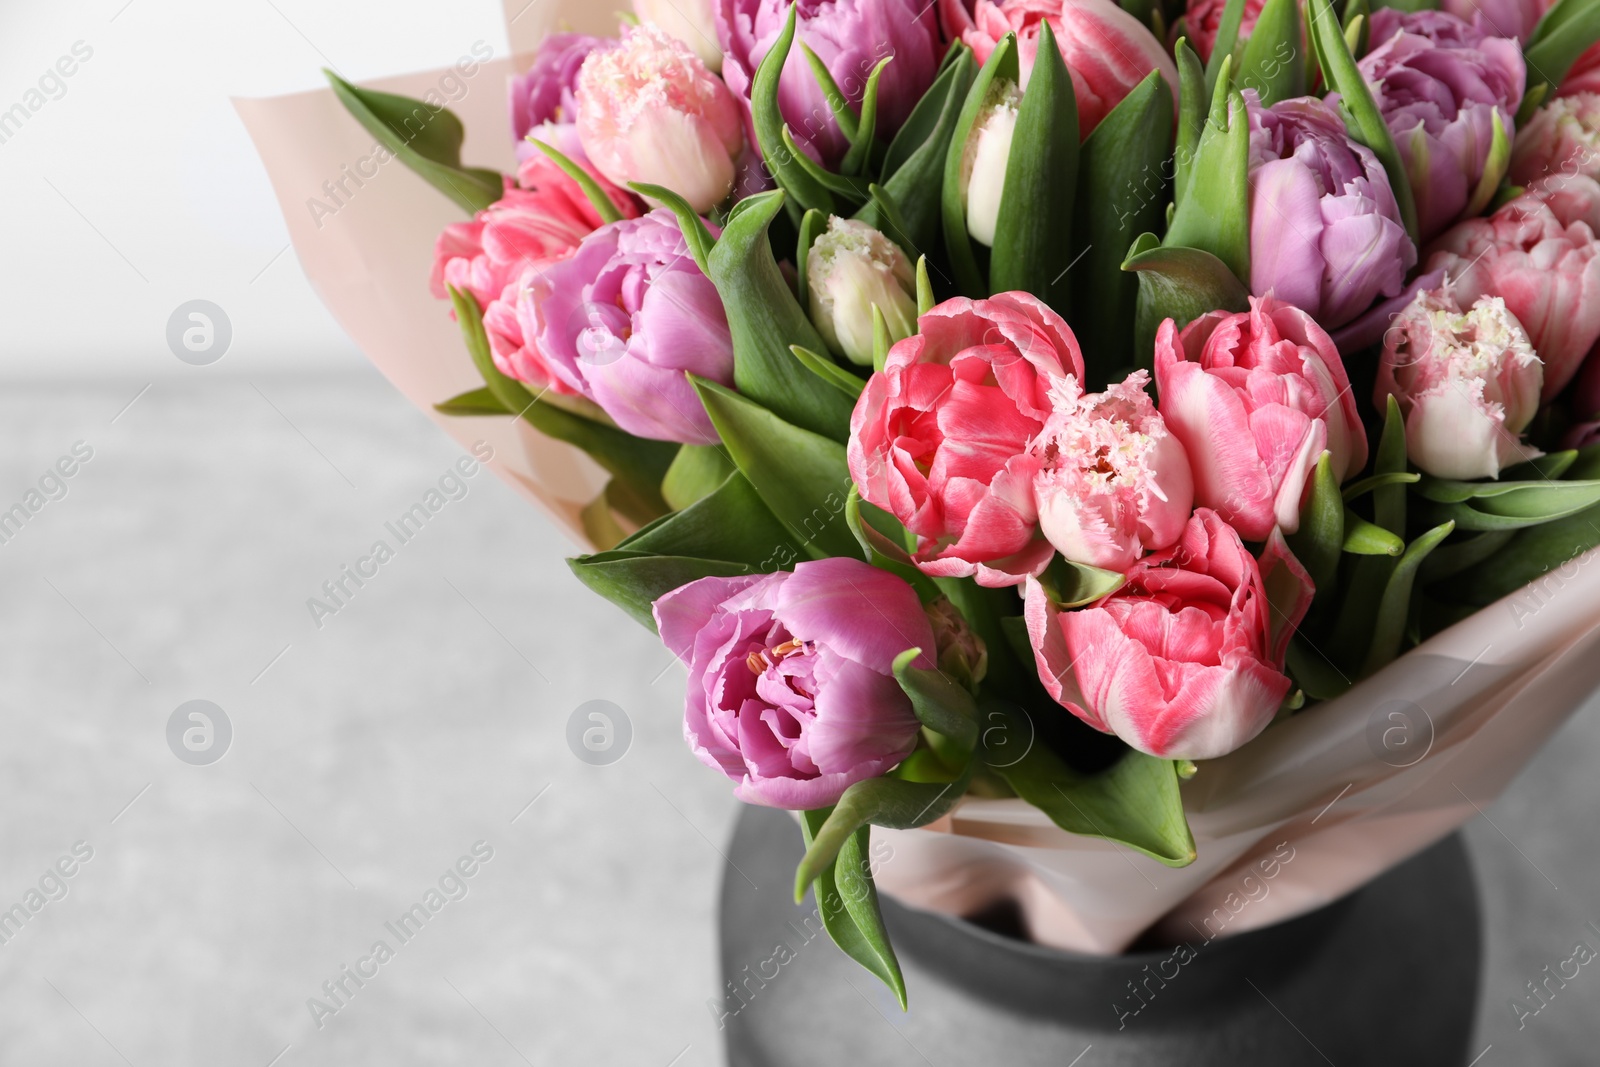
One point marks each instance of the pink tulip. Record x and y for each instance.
(791, 687)
(1467, 382)
(494, 257)
(940, 436)
(1539, 254)
(1183, 661)
(1584, 75)
(1107, 51)
(1112, 482)
(1203, 20)
(1562, 138)
(1500, 18)
(1256, 397)
(650, 111)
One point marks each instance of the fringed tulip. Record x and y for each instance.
(621, 319)
(1539, 254)
(1180, 662)
(940, 437)
(1467, 382)
(850, 37)
(1256, 397)
(791, 684)
(850, 269)
(1112, 482)
(1325, 230)
(650, 111)
(1439, 83)
(1107, 51)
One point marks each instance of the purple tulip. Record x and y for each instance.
(1325, 231)
(545, 94)
(623, 317)
(850, 36)
(1439, 81)
(791, 688)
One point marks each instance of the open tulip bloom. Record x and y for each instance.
(1007, 363)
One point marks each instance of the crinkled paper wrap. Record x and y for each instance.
(1313, 808)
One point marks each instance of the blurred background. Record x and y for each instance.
(344, 771)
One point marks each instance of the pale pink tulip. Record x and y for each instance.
(650, 111)
(1112, 482)
(1562, 138)
(1256, 397)
(940, 436)
(1183, 661)
(1107, 51)
(1539, 254)
(1467, 382)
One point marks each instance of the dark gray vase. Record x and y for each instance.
(1388, 975)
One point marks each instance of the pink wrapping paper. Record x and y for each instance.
(1310, 810)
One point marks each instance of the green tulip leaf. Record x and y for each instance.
(1179, 284)
(1363, 538)
(767, 120)
(829, 371)
(1394, 608)
(1134, 802)
(1273, 63)
(696, 472)
(423, 137)
(889, 802)
(1365, 121)
(602, 204)
(765, 320)
(941, 704)
(847, 899)
(1319, 541)
(802, 476)
(1214, 213)
(1122, 191)
(473, 402)
(1033, 235)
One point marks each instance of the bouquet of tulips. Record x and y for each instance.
(1039, 399)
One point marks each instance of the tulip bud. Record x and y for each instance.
(983, 161)
(650, 111)
(962, 653)
(1112, 482)
(690, 21)
(1468, 384)
(851, 269)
